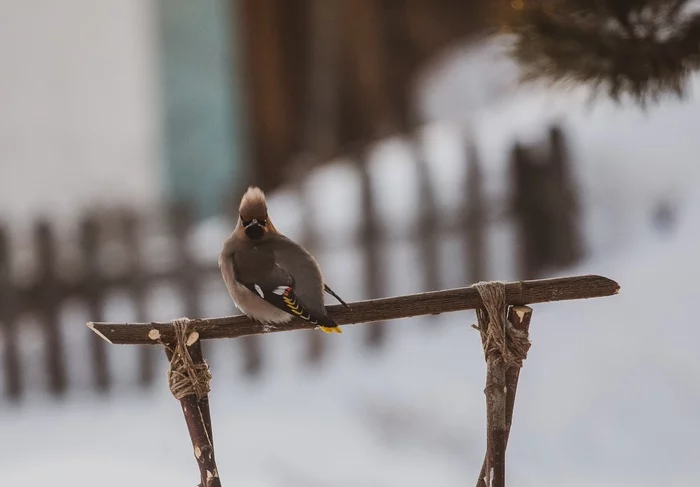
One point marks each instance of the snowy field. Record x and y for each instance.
(609, 394)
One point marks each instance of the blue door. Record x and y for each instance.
(203, 154)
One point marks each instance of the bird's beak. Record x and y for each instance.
(254, 229)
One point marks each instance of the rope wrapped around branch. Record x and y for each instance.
(185, 377)
(497, 334)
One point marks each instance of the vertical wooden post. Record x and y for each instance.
(8, 317)
(428, 220)
(198, 419)
(137, 291)
(93, 289)
(253, 361)
(187, 273)
(519, 317)
(563, 203)
(529, 208)
(47, 307)
(475, 220)
(252, 355)
(274, 57)
(370, 236)
(321, 108)
(520, 205)
(505, 347)
(368, 60)
(496, 423)
(546, 208)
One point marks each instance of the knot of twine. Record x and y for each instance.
(185, 377)
(497, 334)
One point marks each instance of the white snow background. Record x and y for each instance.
(609, 394)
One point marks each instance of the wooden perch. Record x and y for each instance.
(504, 337)
(198, 419)
(436, 302)
(519, 317)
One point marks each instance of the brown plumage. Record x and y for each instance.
(270, 277)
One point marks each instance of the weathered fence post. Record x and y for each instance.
(370, 240)
(528, 205)
(93, 289)
(47, 302)
(545, 206)
(8, 317)
(567, 247)
(136, 284)
(475, 218)
(187, 272)
(428, 219)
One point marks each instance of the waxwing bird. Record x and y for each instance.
(271, 278)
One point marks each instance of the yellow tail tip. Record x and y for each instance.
(331, 329)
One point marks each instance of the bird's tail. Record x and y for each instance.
(328, 325)
(331, 329)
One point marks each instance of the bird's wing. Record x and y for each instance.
(292, 256)
(276, 286)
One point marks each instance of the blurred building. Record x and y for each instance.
(80, 122)
(114, 102)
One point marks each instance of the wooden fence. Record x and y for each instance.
(541, 206)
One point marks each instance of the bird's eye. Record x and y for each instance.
(262, 222)
(245, 222)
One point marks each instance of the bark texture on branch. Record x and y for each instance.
(495, 392)
(517, 293)
(519, 317)
(198, 419)
(504, 347)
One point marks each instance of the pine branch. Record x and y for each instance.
(640, 48)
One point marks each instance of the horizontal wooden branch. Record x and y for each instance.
(435, 302)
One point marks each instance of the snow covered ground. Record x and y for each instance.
(609, 395)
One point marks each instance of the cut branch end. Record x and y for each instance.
(92, 326)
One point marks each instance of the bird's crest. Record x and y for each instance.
(253, 204)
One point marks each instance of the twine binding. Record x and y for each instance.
(497, 334)
(185, 377)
